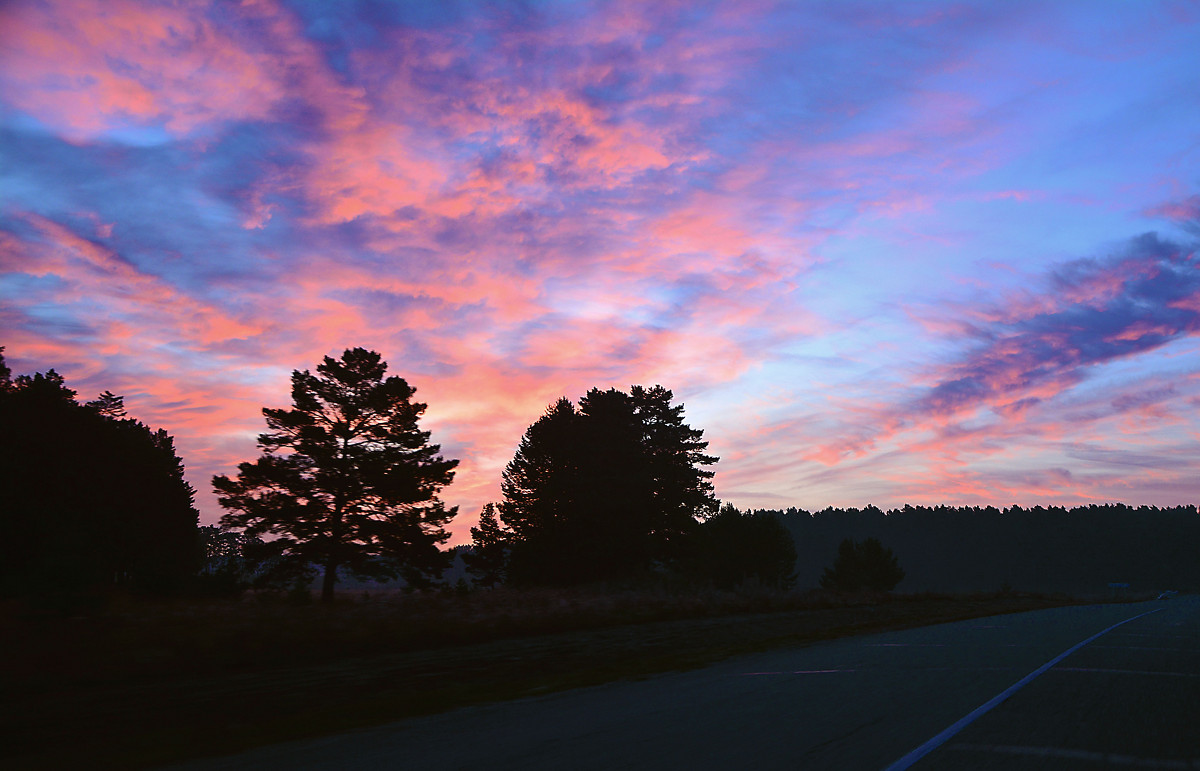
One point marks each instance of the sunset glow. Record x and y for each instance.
(926, 253)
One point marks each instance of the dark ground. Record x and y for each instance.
(140, 685)
(1125, 700)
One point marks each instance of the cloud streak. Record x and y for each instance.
(1093, 312)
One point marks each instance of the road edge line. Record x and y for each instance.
(937, 741)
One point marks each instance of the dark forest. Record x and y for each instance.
(1078, 550)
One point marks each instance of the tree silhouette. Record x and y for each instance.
(673, 453)
(603, 491)
(489, 549)
(225, 570)
(733, 548)
(235, 561)
(866, 565)
(541, 485)
(109, 405)
(91, 499)
(346, 476)
(1080, 550)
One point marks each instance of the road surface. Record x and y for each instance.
(1128, 699)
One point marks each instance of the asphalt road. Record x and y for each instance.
(1128, 699)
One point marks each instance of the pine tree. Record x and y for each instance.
(489, 548)
(603, 491)
(346, 476)
(674, 455)
(734, 547)
(541, 487)
(109, 405)
(92, 500)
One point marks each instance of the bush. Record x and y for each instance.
(733, 548)
(867, 565)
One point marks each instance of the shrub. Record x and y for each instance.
(867, 565)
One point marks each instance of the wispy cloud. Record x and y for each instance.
(1092, 312)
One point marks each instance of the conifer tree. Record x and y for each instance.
(92, 499)
(605, 490)
(489, 548)
(346, 476)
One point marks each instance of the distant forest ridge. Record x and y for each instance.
(1080, 550)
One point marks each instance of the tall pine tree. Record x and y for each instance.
(489, 548)
(602, 491)
(346, 476)
(682, 490)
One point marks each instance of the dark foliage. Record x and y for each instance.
(863, 566)
(346, 478)
(91, 499)
(225, 571)
(735, 548)
(604, 491)
(234, 562)
(488, 553)
(109, 405)
(1054, 549)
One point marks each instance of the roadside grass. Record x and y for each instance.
(140, 683)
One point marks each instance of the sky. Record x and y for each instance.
(884, 253)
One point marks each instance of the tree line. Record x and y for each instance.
(971, 548)
(90, 497)
(614, 489)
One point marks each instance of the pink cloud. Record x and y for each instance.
(1185, 210)
(397, 154)
(88, 66)
(89, 270)
(1025, 362)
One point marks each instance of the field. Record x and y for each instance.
(139, 683)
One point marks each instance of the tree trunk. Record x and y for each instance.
(330, 579)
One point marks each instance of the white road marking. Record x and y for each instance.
(908, 760)
(1094, 757)
(1126, 672)
(800, 672)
